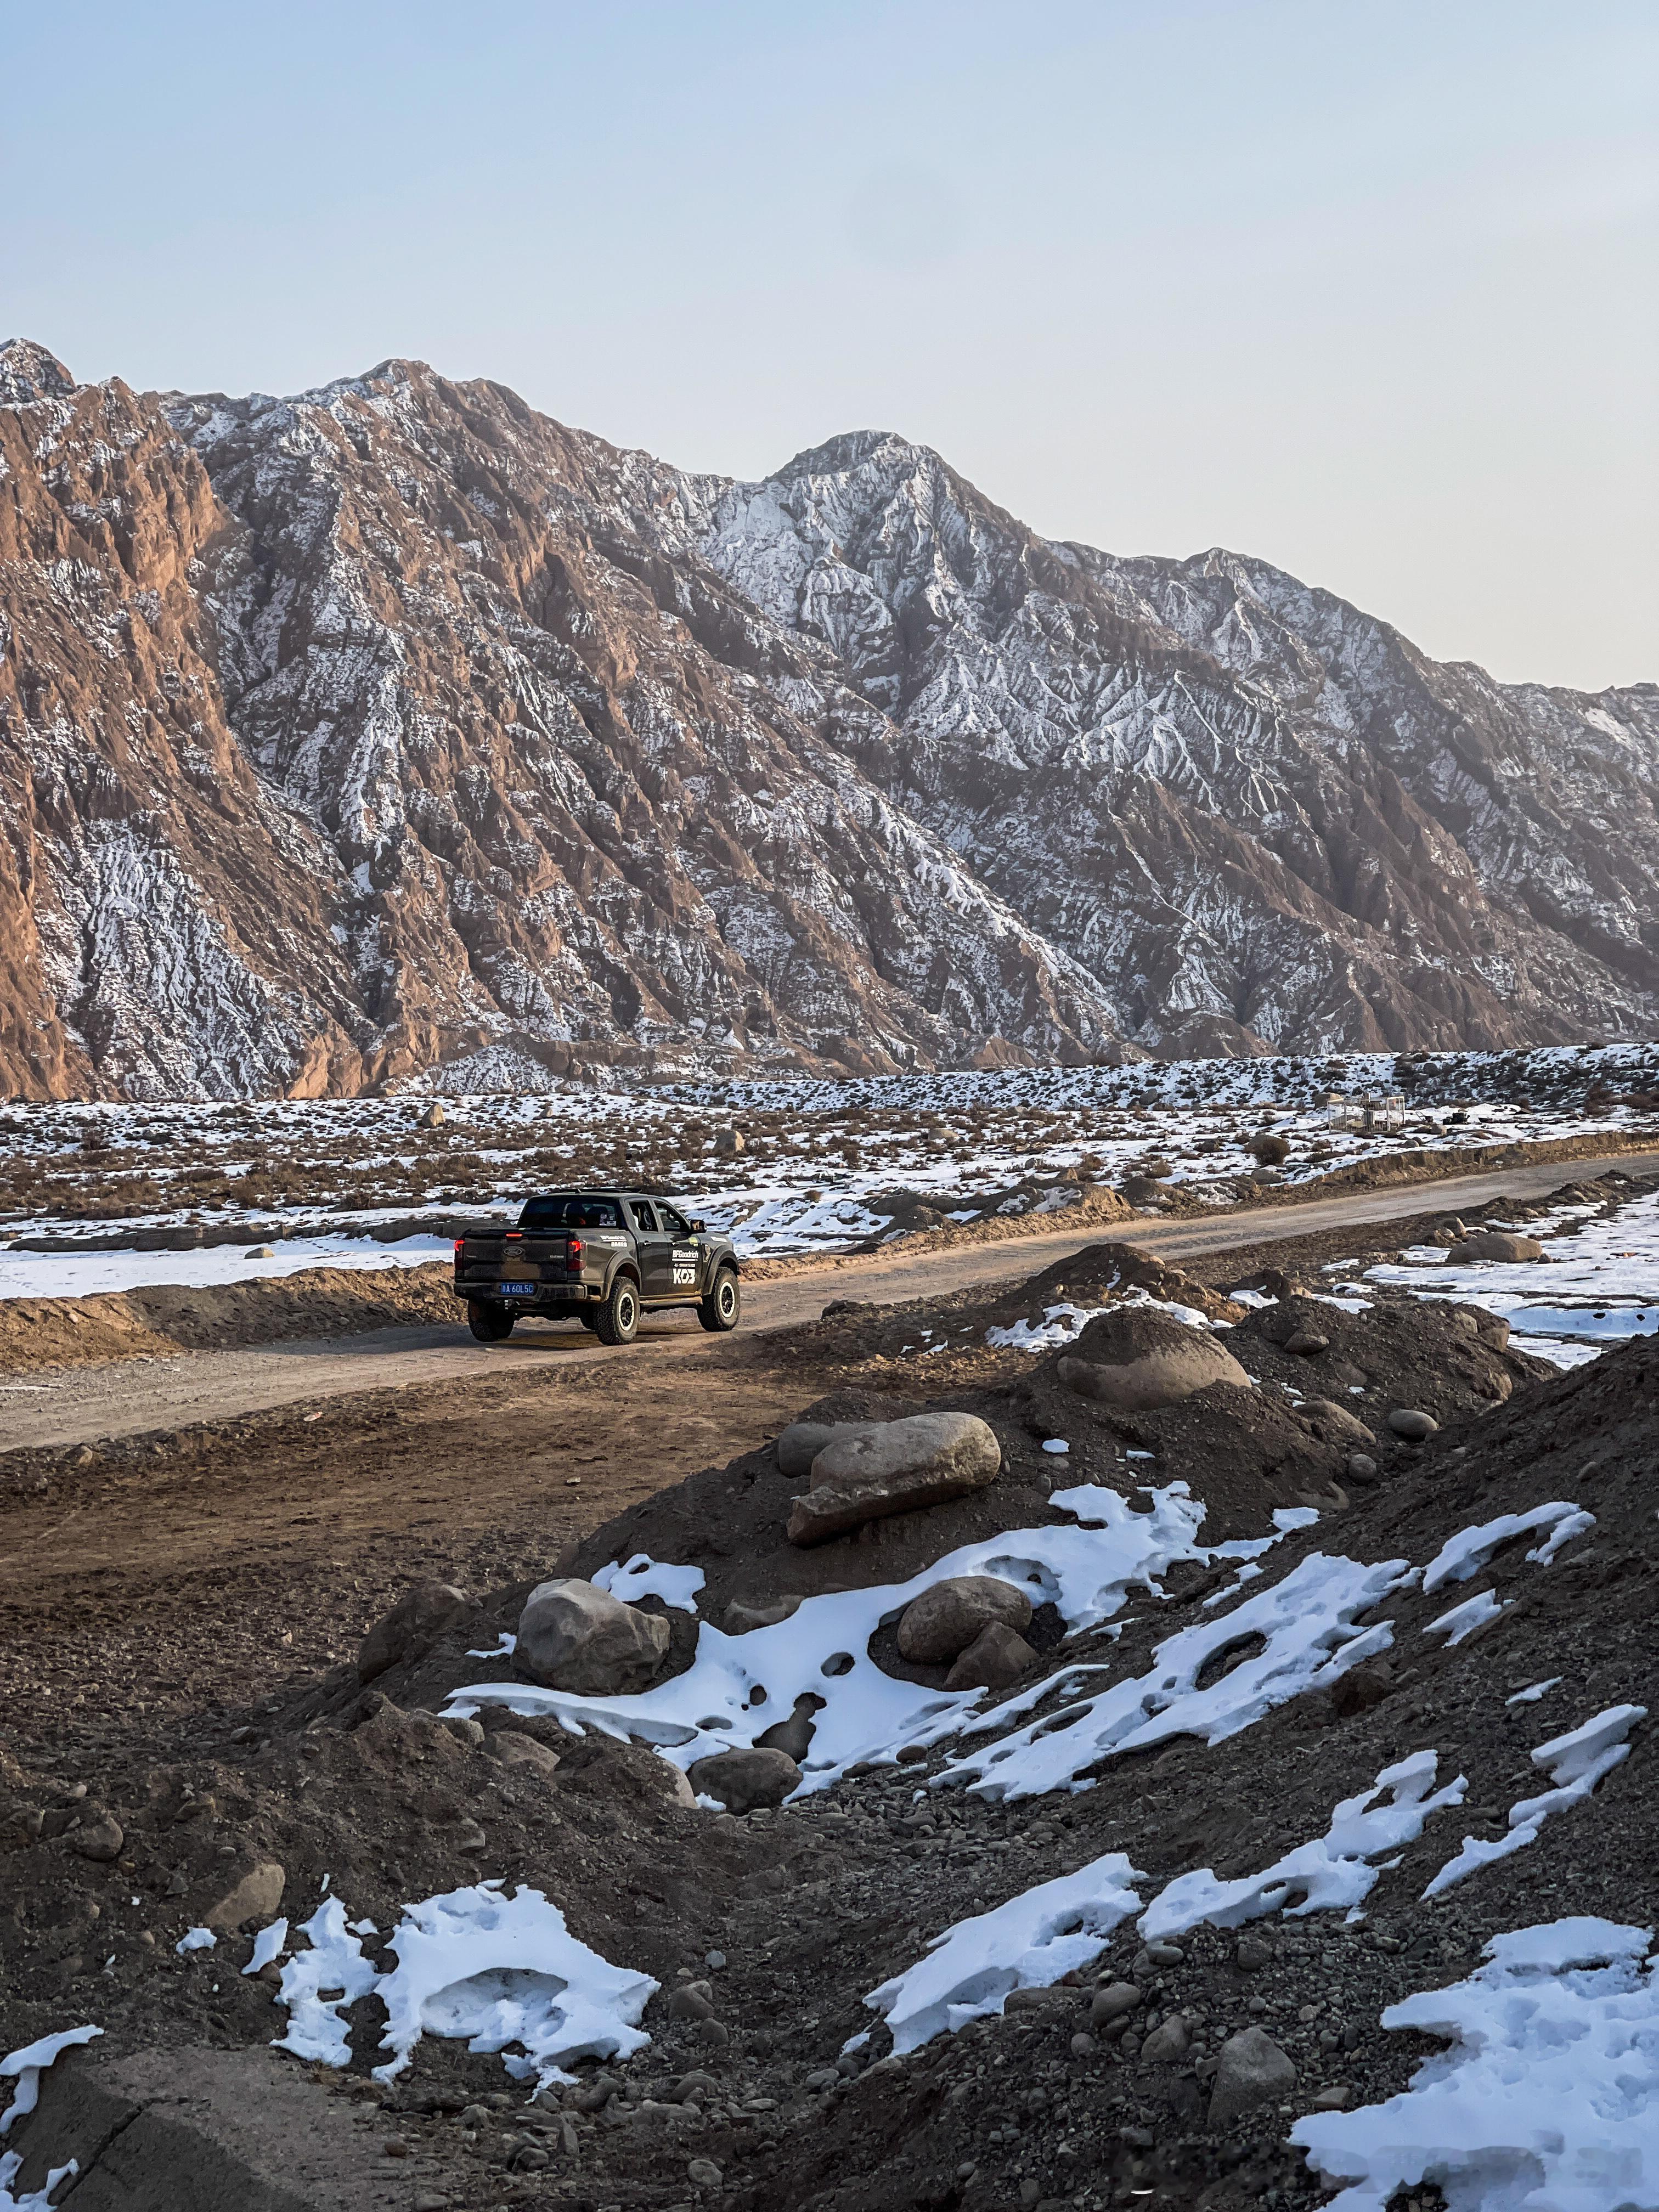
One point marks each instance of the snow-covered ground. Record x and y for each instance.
(1598, 1286)
(824, 1166)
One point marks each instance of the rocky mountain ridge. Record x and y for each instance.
(397, 726)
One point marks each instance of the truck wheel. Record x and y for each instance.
(489, 1324)
(619, 1318)
(723, 1308)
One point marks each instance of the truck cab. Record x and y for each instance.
(600, 1258)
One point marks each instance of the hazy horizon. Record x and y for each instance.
(1368, 296)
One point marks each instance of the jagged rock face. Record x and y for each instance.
(1258, 816)
(347, 734)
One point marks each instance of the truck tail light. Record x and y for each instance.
(459, 1240)
(572, 1253)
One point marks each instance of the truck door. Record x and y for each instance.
(656, 1249)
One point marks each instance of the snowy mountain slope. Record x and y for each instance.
(355, 733)
(1256, 814)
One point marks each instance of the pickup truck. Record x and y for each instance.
(600, 1257)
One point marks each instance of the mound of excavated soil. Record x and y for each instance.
(172, 1317)
(807, 1909)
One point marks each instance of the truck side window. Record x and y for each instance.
(643, 1216)
(675, 1222)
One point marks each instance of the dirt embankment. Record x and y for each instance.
(168, 1318)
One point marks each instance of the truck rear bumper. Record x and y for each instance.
(544, 1294)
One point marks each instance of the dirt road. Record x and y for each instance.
(137, 1396)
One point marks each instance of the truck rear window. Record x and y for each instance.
(568, 1210)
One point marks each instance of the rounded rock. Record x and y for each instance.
(940, 1625)
(574, 1636)
(744, 1781)
(1416, 1427)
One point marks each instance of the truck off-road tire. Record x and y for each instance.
(489, 1323)
(723, 1307)
(617, 1320)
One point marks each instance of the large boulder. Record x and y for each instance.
(425, 1612)
(742, 1780)
(940, 1623)
(800, 1443)
(897, 1466)
(1494, 1244)
(1252, 2070)
(1135, 1360)
(573, 1637)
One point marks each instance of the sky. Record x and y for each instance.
(1369, 290)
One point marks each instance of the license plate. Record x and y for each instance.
(517, 1289)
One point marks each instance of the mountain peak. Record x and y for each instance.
(28, 371)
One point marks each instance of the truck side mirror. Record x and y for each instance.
(696, 1228)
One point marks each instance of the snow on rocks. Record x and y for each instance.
(1307, 1626)
(475, 1965)
(1576, 1763)
(1548, 2097)
(1333, 1873)
(1032, 1941)
(1085, 1571)
(1461, 1556)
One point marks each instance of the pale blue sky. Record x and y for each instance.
(1368, 289)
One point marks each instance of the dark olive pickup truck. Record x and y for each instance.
(599, 1257)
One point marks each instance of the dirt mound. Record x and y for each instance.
(172, 1317)
(1114, 1270)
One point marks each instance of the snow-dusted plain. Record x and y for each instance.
(826, 1166)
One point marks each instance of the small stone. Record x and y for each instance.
(1252, 2070)
(1414, 1426)
(1252, 1953)
(996, 1657)
(703, 2173)
(99, 1836)
(1334, 2099)
(911, 1754)
(464, 1729)
(1165, 1954)
(1167, 2044)
(394, 2147)
(714, 1960)
(823, 2077)
(513, 1748)
(715, 2034)
(692, 2000)
(741, 1618)
(428, 2200)
(257, 1896)
(262, 1252)
(1083, 2046)
(1307, 1341)
(1114, 2003)
(469, 1837)
(433, 1116)
(1361, 1467)
(1495, 1244)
